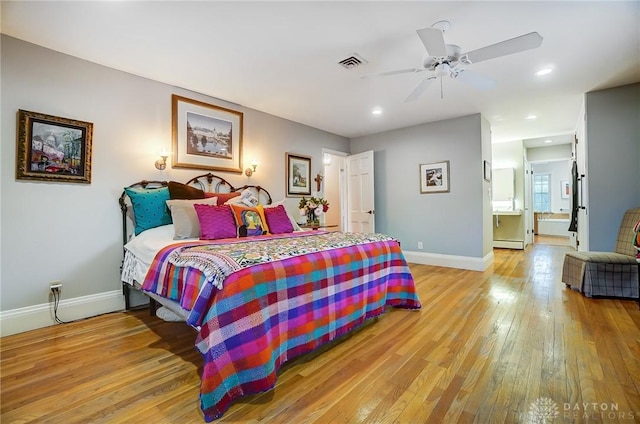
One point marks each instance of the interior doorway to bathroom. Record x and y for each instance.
(551, 202)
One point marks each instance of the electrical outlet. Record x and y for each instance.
(55, 285)
(420, 245)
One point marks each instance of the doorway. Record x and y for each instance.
(334, 187)
(551, 202)
(349, 189)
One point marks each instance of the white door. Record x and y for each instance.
(360, 197)
(528, 202)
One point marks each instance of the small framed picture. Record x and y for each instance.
(298, 175)
(51, 148)
(434, 177)
(565, 189)
(487, 170)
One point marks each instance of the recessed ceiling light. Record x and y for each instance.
(377, 111)
(531, 117)
(548, 141)
(544, 71)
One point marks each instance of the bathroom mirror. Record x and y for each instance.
(503, 184)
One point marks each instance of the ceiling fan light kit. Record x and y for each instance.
(446, 59)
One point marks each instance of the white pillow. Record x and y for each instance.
(149, 242)
(167, 314)
(185, 219)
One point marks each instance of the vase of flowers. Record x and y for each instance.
(312, 208)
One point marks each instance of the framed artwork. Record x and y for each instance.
(434, 177)
(51, 148)
(565, 189)
(298, 175)
(487, 171)
(205, 136)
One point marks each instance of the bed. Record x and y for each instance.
(265, 294)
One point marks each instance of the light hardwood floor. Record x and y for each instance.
(486, 347)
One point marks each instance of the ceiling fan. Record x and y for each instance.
(446, 59)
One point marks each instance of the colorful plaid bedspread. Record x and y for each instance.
(269, 311)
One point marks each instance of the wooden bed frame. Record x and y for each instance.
(209, 183)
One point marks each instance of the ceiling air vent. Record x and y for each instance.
(352, 61)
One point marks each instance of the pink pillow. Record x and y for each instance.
(277, 220)
(216, 222)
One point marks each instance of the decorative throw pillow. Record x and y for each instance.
(149, 208)
(183, 191)
(225, 197)
(278, 220)
(216, 222)
(283, 202)
(250, 221)
(184, 217)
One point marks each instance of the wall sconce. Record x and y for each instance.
(161, 164)
(249, 171)
(326, 159)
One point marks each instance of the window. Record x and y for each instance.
(541, 195)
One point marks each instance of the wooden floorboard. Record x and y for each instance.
(486, 347)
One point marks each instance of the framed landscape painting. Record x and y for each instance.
(298, 175)
(205, 136)
(51, 148)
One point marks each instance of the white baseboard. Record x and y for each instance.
(450, 261)
(509, 244)
(38, 316)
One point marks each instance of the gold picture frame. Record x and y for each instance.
(205, 136)
(51, 148)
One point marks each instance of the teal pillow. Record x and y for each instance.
(149, 207)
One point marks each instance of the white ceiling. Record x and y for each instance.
(282, 57)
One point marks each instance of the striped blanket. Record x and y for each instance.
(274, 299)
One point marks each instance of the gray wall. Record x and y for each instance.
(613, 160)
(72, 232)
(447, 223)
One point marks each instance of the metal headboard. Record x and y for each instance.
(209, 183)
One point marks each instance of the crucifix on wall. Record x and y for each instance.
(318, 179)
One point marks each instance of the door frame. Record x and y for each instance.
(342, 195)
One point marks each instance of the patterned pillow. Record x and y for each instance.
(250, 221)
(283, 202)
(278, 220)
(216, 222)
(149, 208)
(183, 215)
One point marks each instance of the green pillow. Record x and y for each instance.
(149, 207)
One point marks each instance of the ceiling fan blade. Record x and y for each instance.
(417, 92)
(478, 81)
(504, 48)
(433, 41)
(399, 71)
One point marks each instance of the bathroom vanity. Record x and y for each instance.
(508, 221)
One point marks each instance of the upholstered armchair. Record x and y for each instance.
(606, 274)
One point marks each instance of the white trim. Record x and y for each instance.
(450, 261)
(38, 316)
(509, 244)
(334, 152)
